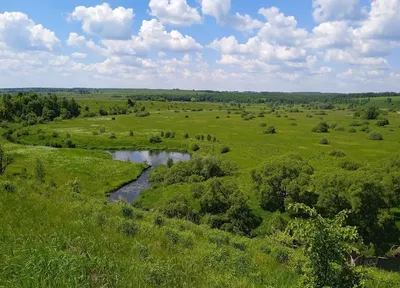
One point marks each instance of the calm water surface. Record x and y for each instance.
(131, 191)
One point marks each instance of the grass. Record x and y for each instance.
(51, 236)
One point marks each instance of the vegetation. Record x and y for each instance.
(279, 211)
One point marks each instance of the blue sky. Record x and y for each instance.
(276, 45)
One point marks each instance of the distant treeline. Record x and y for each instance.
(211, 96)
(32, 109)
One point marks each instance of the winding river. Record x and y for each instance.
(131, 191)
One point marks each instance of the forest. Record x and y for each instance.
(276, 190)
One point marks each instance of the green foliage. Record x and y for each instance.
(195, 147)
(270, 130)
(225, 149)
(204, 166)
(382, 122)
(170, 162)
(154, 139)
(324, 141)
(371, 113)
(374, 135)
(178, 207)
(352, 130)
(337, 153)
(322, 127)
(6, 159)
(40, 173)
(283, 180)
(326, 243)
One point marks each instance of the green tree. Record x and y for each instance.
(371, 113)
(170, 162)
(326, 244)
(6, 160)
(285, 179)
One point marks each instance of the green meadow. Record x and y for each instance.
(62, 232)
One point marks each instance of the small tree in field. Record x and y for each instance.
(5, 160)
(326, 244)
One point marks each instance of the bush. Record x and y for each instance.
(197, 190)
(352, 130)
(112, 136)
(69, 143)
(364, 128)
(324, 141)
(263, 124)
(225, 149)
(270, 130)
(340, 128)
(375, 136)
(55, 135)
(95, 133)
(131, 133)
(102, 130)
(129, 228)
(337, 153)
(281, 255)
(155, 139)
(142, 114)
(159, 221)
(127, 212)
(355, 123)
(349, 165)
(186, 135)
(322, 127)
(195, 147)
(8, 187)
(382, 122)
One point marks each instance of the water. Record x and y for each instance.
(131, 191)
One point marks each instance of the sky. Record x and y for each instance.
(232, 45)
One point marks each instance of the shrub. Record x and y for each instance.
(69, 143)
(340, 128)
(349, 165)
(270, 130)
(225, 149)
(281, 255)
(112, 136)
(324, 141)
(197, 190)
(364, 128)
(375, 136)
(187, 116)
(95, 133)
(195, 147)
(159, 221)
(170, 162)
(322, 127)
(186, 135)
(337, 153)
(102, 130)
(131, 133)
(263, 124)
(155, 139)
(355, 123)
(352, 130)
(293, 124)
(8, 187)
(142, 114)
(127, 212)
(129, 229)
(382, 122)
(41, 137)
(55, 135)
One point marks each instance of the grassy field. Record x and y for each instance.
(52, 236)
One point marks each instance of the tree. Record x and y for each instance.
(5, 160)
(170, 162)
(285, 179)
(322, 127)
(326, 244)
(371, 113)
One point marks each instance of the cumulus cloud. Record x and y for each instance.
(105, 22)
(328, 10)
(383, 21)
(80, 42)
(220, 9)
(78, 55)
(19, 32)
(174, 12)
(153, 36)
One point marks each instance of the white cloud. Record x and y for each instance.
(281, 29)
(80, 42)
(352, 58)
(105, 22)
(153, 36)
(328, 10)
(174, 12)
(383, 21)
(219, 9)
(78, 55)
(19, 32)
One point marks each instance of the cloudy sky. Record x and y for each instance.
(268, 45)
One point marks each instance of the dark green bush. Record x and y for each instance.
(129, 228)
(155, 139)
(195, 147)
(270, 130)
(225, 149)
(324, 141)
(375, 136)
(322, 127)
(337, 153)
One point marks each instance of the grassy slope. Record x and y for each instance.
(53, 237)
